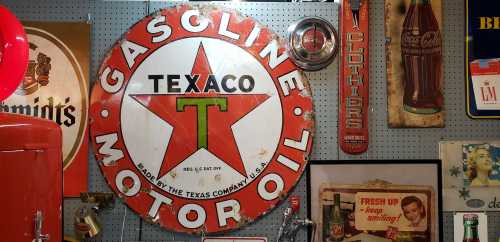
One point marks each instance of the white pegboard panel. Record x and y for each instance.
(117, 224)
(448, 234)
(49, 10)
(70, 206)
(388, 143)
(120, 223)
(493, 226)
(110, 19)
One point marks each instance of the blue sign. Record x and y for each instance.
(483, 59)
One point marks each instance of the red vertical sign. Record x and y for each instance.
(353, 81)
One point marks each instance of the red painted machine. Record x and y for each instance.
(31, 174)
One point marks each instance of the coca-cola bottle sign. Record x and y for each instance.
(422, 60)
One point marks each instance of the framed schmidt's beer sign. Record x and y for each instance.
(482, 59)
(55, 88)
(371, 202)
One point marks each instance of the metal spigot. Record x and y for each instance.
(291, 222)
(39, 237)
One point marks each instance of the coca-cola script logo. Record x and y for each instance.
(199, 119)
(430, 39)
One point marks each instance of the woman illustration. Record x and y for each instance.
(414, 211)
(479, 167)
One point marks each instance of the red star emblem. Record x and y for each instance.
(201, 120)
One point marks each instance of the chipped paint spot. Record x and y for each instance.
(262, 152)
(218, 177)
(243, 220)
(305, 93)
(111, 163)
(145, 189)
(172, 174)
(152, 220)
(308, 115)
(125, 188)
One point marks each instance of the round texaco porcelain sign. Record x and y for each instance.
(200, 121)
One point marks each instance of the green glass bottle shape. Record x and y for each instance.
(327, 205)
(470, 228)
(336, 222)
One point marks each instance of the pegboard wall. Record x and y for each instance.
(110, 19)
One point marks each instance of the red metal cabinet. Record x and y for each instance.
(31, 179)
